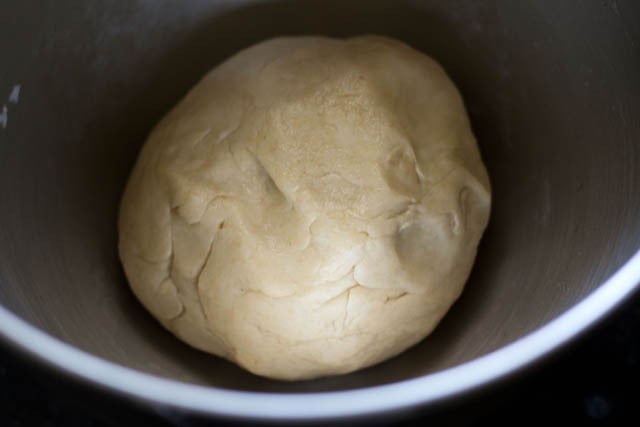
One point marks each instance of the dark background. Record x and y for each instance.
(593, 381)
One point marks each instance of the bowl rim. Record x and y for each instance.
(425, 390)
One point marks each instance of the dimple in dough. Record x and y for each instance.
(313, 206)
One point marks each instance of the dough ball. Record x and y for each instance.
(311, 207)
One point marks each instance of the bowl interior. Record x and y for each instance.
(554, 97)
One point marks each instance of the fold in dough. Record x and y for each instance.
(311, 207)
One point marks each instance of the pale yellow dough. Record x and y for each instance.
(313, 206)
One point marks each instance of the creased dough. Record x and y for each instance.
(311, 207)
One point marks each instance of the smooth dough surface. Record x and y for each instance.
(313, 206)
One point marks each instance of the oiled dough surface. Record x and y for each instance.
(311, 207)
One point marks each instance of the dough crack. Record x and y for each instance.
(131, 251)
(171, 253)
(345, 318)
(202, 137)
(269, 177)
(442, 178)
(199, 277)
(282, 339)
(209, 204)
(391, 298)
(267, 295)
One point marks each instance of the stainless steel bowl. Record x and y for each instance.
(553, 89)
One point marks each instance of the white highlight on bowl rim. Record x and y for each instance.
(333, 404)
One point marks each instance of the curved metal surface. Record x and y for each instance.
(403, 395)
(554, 98)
